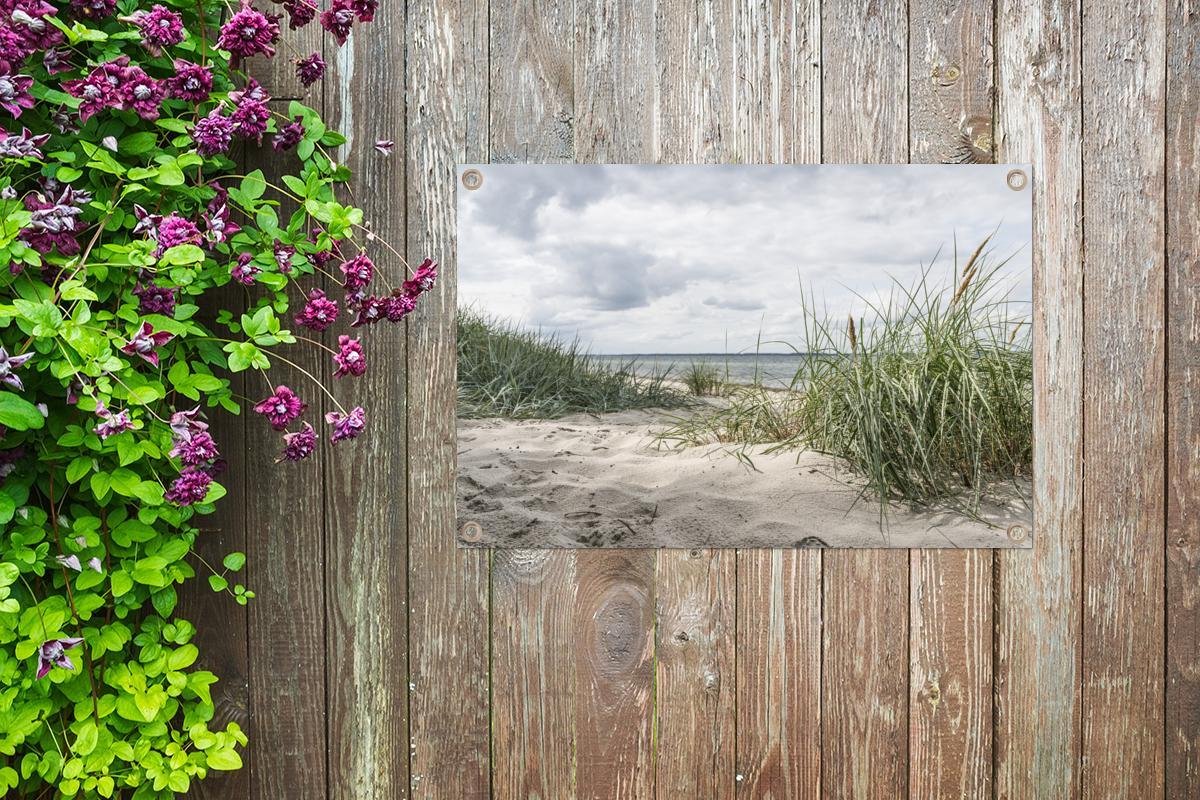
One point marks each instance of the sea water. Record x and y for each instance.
(775, 370)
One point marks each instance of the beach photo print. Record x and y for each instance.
(744, 356)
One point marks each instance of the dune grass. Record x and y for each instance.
(705, 380)
(928, 398)
(506, 371)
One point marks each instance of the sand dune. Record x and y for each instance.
(592, 481)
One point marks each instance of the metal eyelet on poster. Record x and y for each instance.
(1016, 179)
(471, 532)
(472, 179)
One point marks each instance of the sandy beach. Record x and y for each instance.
(603, 481)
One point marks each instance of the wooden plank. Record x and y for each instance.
(779, 674)
(1123, 447)
(865, 592)
(286, 568)
(614, 607)
(695, 677)
(1037, 613)
(533, 631)
(950, 648)
(1183, 402)
(446, 86)
(366, 662)
(776, 80)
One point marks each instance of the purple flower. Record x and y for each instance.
(53, 653)
(113, 423)
(319, 312)
(422, 280)
(145, 343)
(101, 88)
(190, 487)
(299, 445)
(219, 227)
(283, 256)
(338, 19)
(93, 9)
(213, 134)
(155, 299)
(141, 93)
(160, 27)
(249, 32)
(185, 425)
(384, 146)
(9, 459)
(198, 448)
(94, 565)
(8, 365)
(174, 230)
(250, 111)
(371, 309)
(243, 271)
(365, 9)
(358, 271)
(311, 69)
(289, 135)
(346, 426)
(70, 562)
(55, 221)
(14, 93)
(147, 223)
(22, 145)
(398, 306)
(300, 12)
(281, 408)
(190, 82)
(349, 358)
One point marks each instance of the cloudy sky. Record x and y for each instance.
(705, 259)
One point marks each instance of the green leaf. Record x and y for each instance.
(121, 583)
(253, 186)
(79, 466)
(85, 738)
(18, 414)
(183, 658)
(217, 583)
(181, 255)
(225, 759)
(234, 561)
(169, 174)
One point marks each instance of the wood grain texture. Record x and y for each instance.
(446, 122)
(950, 62)
(1183, 401)
(1123, 447)
(1037, 613)
(534, 633)
(865, 592)
(366, 662)
(779, 674)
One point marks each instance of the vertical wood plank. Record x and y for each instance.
(777, 118)
(1123, 447)
(1037, 709)
(366, 663)
(533, 632)
(445, 53)
(614, 607)
(950, 651)
(865, 592)
(1183, 401)
(695, 678)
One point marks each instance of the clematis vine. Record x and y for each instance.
(8, 368)
(53, 653)
(145, 343)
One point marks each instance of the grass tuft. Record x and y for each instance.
(928, 398)
(705, 380)
(504, 371)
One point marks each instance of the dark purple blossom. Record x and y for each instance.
(349, 358)
(249, 32)
(112, 423)
(160, 27)
(358, 271)
(197, 449)
(219, 226)
(298, 445)
(338, 19)
(54, 62)
(101, 88)
(55, 223)
(190, 487)
(371, 309)
(213, 134)
(346, 426)
(53, 653)
(398, 306)
(384, 146)
(243, 271)
(365, 9)
(9, 459)
(281, 408)
(190, 82)
(155, 299)
(26, 30)
(250, 111)
(140, 93)
(8, 367)
(289, 135)
(22, 145)
(147, 223)
(175, 230)
(186, 424)
(283, 256)
(311, 69)
(422, 280)
(93, 9)
(319, 312)
(300, 12)
(14, 93)
(145, 343)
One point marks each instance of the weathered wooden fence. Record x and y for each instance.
(379, 661)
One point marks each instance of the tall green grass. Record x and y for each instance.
(928, 397)
(705, 380)
(506, 371)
